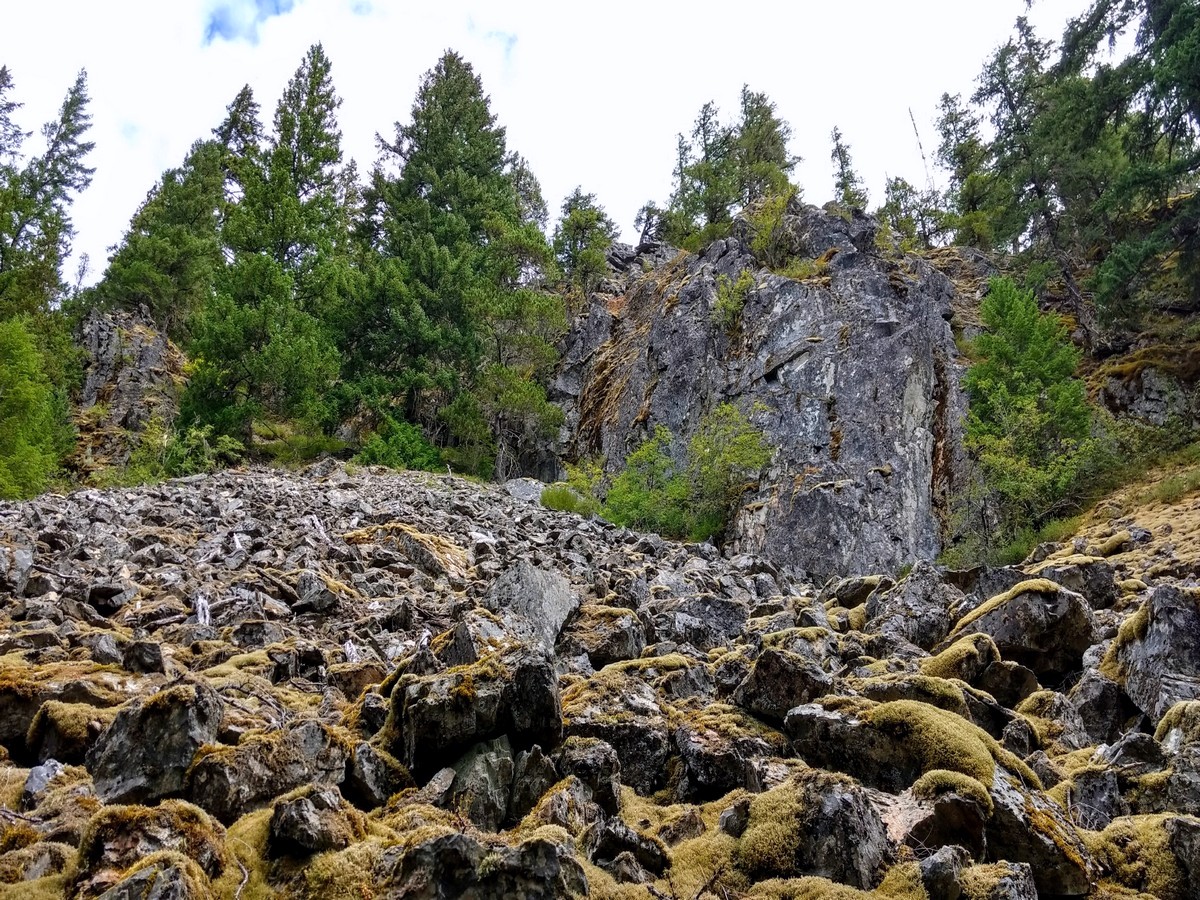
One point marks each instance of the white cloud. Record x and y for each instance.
(590, 94)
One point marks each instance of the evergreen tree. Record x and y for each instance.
(1151, 99)
(915, 216)
(454, 306)
(33, 429)
(763, 163)
(35, 200)
(582, 236)
(265, 341)
(973, 191)
(1029, 419)
(848, 187)
(171, 254)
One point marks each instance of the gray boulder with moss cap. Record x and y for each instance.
(434, 718)
(1158, 651)
(145, 753)
(1038, 624)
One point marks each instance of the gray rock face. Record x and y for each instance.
(438, 715)
(855, 370)
(483, 783)
(234, 780)
(1162, 663)
(1151, 395)
(130, 378)
(457, 865)
(312, 824)
(918, 609)
(533, 601)
(145, 753)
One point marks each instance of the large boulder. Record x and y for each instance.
(118, 837)
(458, 865)
(1158, 651)
(433, 718)
(779, 681)
(917, 610)
(1037, 624)
(231, 781)
(533, 602)
(145, 753)
(814, 824)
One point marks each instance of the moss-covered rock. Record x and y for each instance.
(231, 781)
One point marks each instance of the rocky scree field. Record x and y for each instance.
(360, 684)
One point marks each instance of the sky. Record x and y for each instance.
(592, 94)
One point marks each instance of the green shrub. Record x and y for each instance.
(768, 240)
(650, 494)
(698, 498)
(1029, 429)
(731, 297)
(399, 445)
(562, 497)
(33, 428)
(163, 452)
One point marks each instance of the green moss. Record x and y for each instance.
(1132, 629)
(1136, 850)
(936, 782)
(1184, 717)
(71, 723)
(938, 739)
(965, 659)
(940, 692)
(1030, 586)
(52, 887)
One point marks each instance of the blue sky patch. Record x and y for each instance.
(234, 20)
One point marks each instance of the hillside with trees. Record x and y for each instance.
(414, 314)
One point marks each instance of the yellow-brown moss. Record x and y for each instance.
(72, 723)
(969, 654)
(1136, 850)
(937, 782)
(1132, 629)
(1183, 717)
(941, 740)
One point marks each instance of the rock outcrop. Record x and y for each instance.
(850, 371)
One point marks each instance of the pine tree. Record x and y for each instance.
(1151, 99)
(265, 340)
(1029, 419)
(454, 305)
(848, 187)
(583, 233)
(760, 150)
(35, 200)
(171, 254)
(974, 190)
(33, 429)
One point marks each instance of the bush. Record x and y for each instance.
(731, 297)
(562, 497)
(698, 499)
(163, 452)
(33, 429)
(768, 240)
(399, 445)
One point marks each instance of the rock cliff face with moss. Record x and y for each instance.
(361, 684)
(849, 368)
